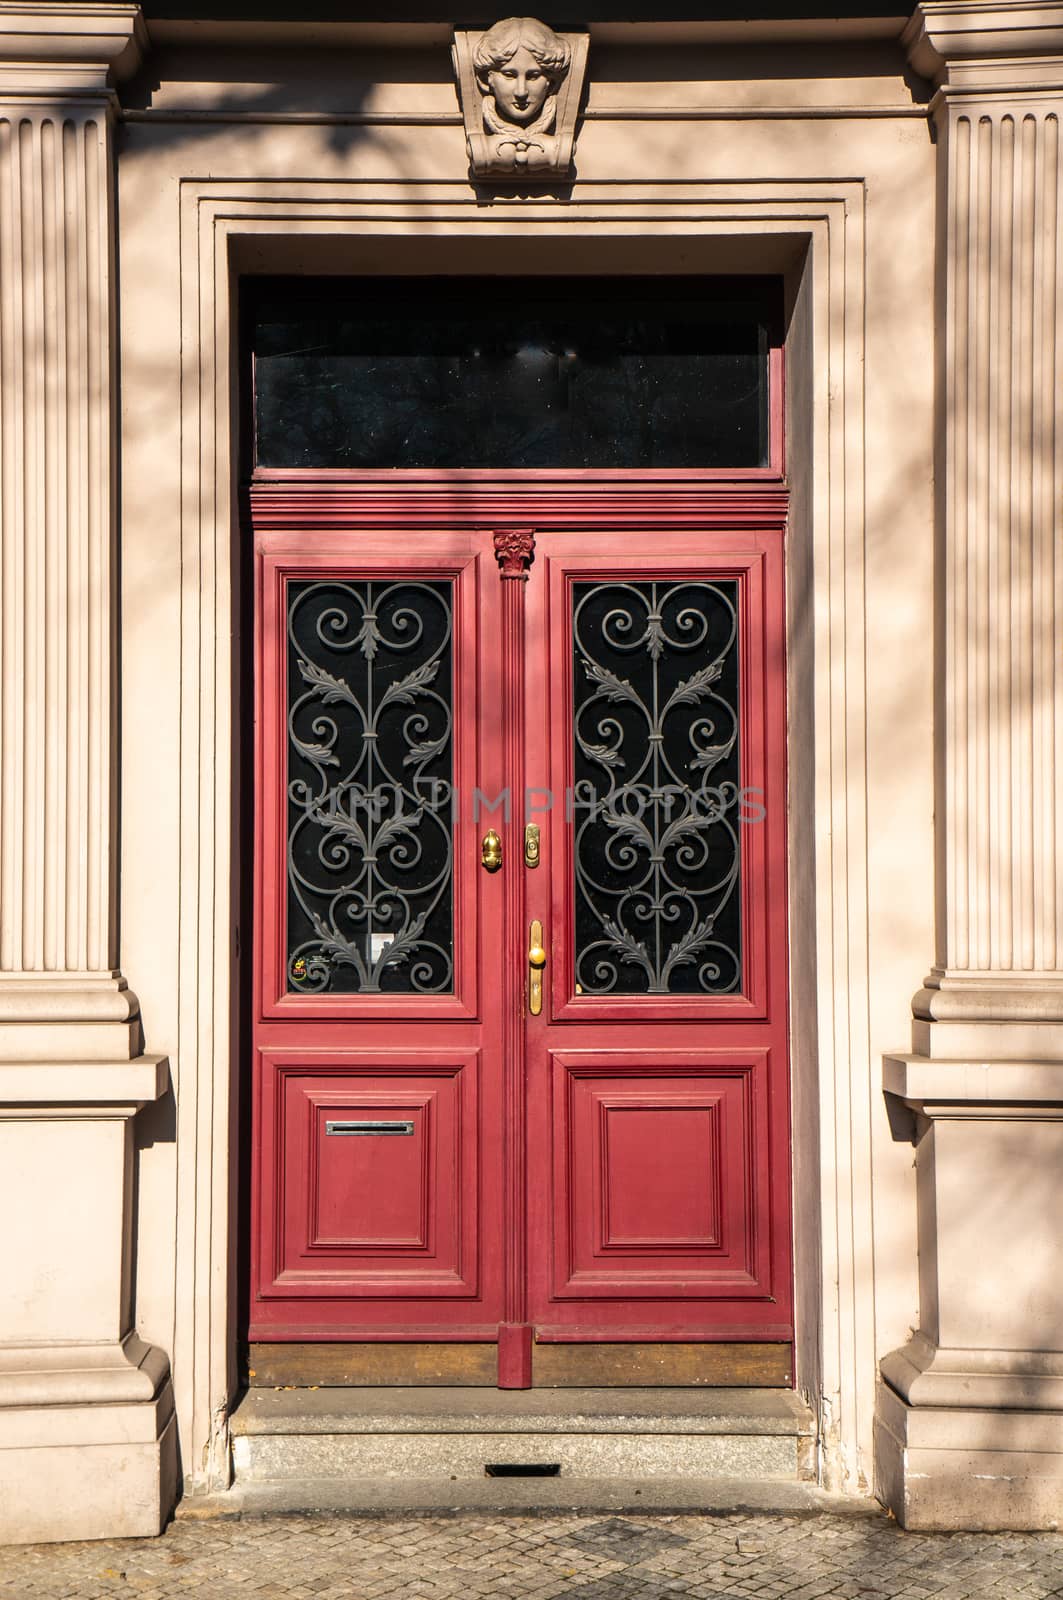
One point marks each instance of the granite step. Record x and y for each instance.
(445, 1437)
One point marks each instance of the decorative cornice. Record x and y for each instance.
(49, 47)
(987, 44)
(326, 499)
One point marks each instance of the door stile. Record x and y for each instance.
(514, 549)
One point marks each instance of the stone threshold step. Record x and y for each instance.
(453, 1456)
(330, 1411)
(524, 1496)
(452, 1435)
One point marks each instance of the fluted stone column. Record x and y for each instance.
(970, 1421)
(86, 1408)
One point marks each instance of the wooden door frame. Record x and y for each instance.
(313, 502)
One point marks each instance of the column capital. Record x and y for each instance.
(987, 44)
(59, 48)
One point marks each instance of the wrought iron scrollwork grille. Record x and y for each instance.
(656, 798)
(370, 787)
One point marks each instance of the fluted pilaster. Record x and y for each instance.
(998, 116)
(56, 508)
(57, 515)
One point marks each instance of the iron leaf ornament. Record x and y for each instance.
(520, 85)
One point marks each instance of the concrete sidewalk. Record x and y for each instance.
(861, 1556)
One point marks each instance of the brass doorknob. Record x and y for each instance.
(491, 851)
(537, 956)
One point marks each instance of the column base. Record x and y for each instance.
(962, 1468)
(1014, 997)
(88, 1442)
(969, 1419)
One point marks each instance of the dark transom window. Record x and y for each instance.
(498, 373)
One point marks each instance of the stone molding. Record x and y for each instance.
(50, 47)
(926, 1374)
(66, 1089)
(987, 43)
(220, 219)
(107, 1373)
(975, 1088)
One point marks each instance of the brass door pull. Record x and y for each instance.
(491, 852)
(536, 963)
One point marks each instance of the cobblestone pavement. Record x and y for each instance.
(580, 1557)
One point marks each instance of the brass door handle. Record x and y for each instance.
(491, 851)
(536, 963)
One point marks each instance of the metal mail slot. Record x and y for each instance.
(394, 1129)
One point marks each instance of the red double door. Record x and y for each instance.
(520, 1065)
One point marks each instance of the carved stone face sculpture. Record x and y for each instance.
(519, 66)
(520, 86)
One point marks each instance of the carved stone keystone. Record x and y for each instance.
(520, 84)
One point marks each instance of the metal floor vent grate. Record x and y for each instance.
(522, 1469)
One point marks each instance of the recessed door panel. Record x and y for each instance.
(657, 1180)
(376, 1178)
